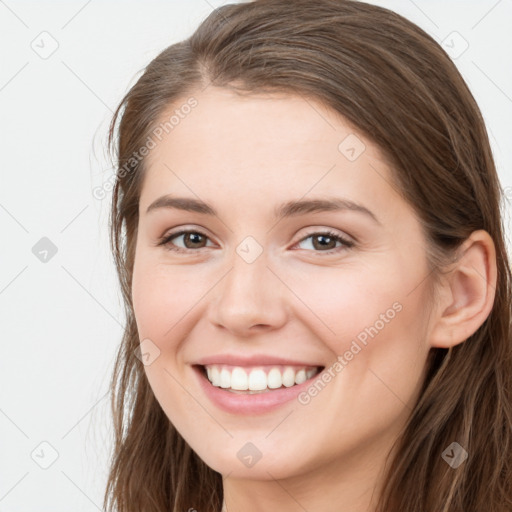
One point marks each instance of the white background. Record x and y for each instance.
(61, 320)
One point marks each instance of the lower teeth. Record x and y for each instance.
(248, 391)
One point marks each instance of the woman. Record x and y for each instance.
(306, 226)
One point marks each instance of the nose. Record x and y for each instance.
(249, 299)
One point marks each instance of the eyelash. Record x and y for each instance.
(166, 241)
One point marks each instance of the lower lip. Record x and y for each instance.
(258, 403)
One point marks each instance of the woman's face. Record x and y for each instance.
(261, 292)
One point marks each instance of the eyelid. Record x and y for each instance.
(324, 230)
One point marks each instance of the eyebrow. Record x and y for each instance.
(288, 209)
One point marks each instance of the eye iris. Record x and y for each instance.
(322, 245)
(196, 239)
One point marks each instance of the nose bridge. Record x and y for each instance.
(249, 294)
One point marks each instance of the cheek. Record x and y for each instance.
(373, 322)
(344, 302)
(162, 296)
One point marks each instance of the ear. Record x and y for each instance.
(468, 292)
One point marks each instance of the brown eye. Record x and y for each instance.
(190, 239)
(326, 242)
(193, 240)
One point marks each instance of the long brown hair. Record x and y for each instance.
(396, 85)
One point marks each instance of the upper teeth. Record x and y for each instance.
(257, 379)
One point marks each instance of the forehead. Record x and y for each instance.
(257, 148)
(257, 126)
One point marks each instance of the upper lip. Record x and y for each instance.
(254, 360)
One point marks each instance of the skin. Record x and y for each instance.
(244, 156)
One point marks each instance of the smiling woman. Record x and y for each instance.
(312, 260)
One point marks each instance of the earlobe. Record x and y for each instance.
(468, 294)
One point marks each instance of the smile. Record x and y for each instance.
(253, 384)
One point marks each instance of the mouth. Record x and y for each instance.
(257, 379)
